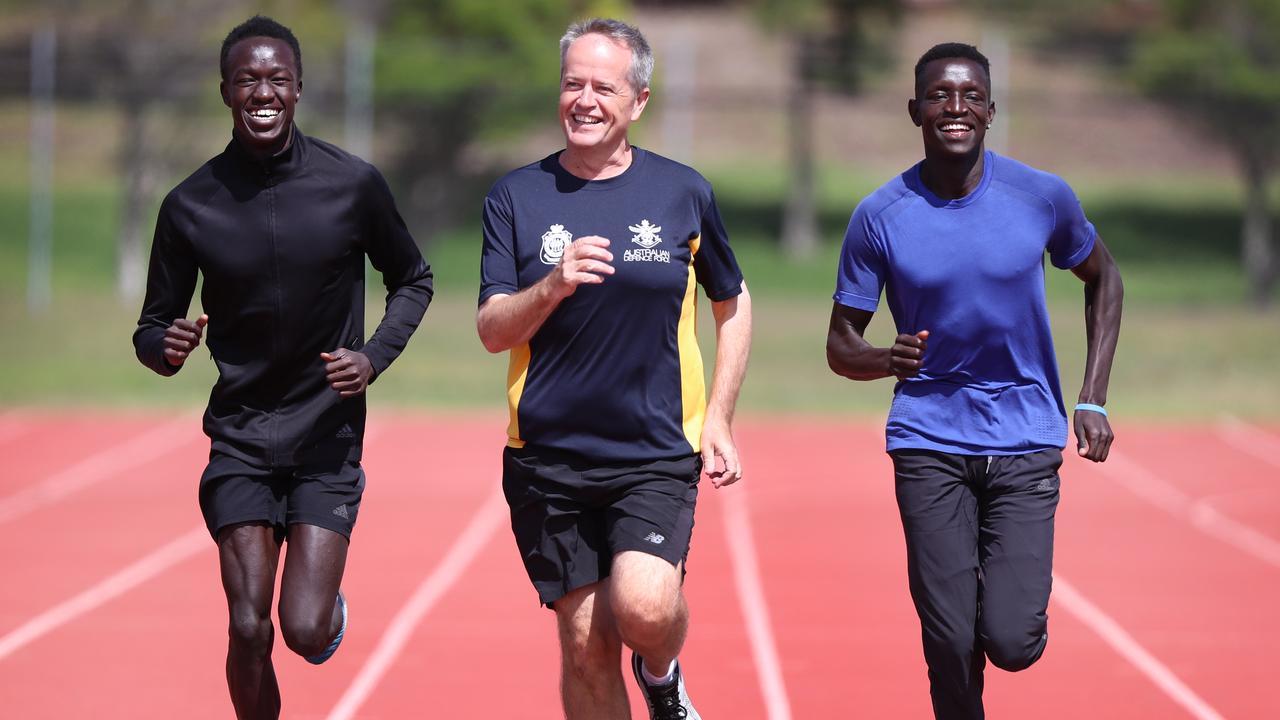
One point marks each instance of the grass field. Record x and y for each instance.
(1189, 347)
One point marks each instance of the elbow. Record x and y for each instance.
(837, 363)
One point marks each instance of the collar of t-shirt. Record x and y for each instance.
(917, 184)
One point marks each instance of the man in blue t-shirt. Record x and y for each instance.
(977, 425)
(592, 258)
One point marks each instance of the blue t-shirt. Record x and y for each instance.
(614, 374)
(971, 272)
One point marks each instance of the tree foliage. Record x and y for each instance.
(1214, 63)
(453, 71)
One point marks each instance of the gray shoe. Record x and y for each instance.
(666, 702)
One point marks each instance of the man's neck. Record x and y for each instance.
(262, 155)
(953, 177)
(597, 165)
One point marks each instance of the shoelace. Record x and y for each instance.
(666, 702)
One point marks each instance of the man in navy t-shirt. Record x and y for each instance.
(957, 244)
(589, 276)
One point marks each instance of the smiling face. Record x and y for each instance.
(597, 103)
(952, 107)
(261, 87)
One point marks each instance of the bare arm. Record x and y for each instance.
(733, 346)
(1103, 306)
(506, 321)
(850, 355)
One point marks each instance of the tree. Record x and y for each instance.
(452, 71)
(835, 44)
(1215, 63)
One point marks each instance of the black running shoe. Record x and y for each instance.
(666, 702)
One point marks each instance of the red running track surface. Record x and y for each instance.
(1168, 568)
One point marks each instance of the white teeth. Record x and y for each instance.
(954, 128)
(265, 113)
(586, 119)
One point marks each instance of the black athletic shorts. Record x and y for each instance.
(571, 516)
(323, 494)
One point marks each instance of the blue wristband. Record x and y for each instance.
(1092, 408)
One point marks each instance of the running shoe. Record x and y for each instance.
(337, 640)
(666, 702)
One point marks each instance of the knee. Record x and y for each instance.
(587, 658)
(305, 636)
(1014, 651)
(646, 619)
(251, 632)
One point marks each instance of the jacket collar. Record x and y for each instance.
(278, 167)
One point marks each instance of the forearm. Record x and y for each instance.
(733, 347)
(406, 305)
(858, 360)
(507, 321)
(1103, 306)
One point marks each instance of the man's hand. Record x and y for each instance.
(1093, 435)
(585, 262)
(181, 338)
(907, 354)
(719, 454)
(347, 371)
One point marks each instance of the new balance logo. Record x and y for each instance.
(655, 538)
(341, 511)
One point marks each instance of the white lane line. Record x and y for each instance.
(483, 525)
(1196, 512)
(746, 576)
(100, 466)
(123, 581)
(1250, 440)
(1070, 599)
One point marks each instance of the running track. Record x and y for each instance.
(1165, 606)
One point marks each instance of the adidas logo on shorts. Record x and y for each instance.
(341, 511)
(655, 538)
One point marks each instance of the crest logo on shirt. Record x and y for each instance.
(554, 241)
(646, 236)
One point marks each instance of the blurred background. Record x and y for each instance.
(1162, 114)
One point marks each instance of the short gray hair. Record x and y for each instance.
(629, 35)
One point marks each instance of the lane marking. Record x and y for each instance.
(1196, 512)
(1069, 598)
(750, 587)
(139, 450)
(112, 587)
(483, 525)
(1249, 439)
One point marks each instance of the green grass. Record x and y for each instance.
(1190, 347)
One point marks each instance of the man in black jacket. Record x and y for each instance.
(279, 225)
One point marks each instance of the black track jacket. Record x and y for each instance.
(281, 246)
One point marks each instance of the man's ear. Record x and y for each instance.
(913, 109)
(222, 88)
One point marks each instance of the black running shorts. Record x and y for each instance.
(323, 494)
(571, 516)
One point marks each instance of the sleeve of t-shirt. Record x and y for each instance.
(498, 270)
(714, 265)
(861, 273)
(1073, 235)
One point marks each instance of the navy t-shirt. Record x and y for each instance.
(614, 374)
(971, 272)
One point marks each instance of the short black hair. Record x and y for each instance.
(260, 26)
(950, 50)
